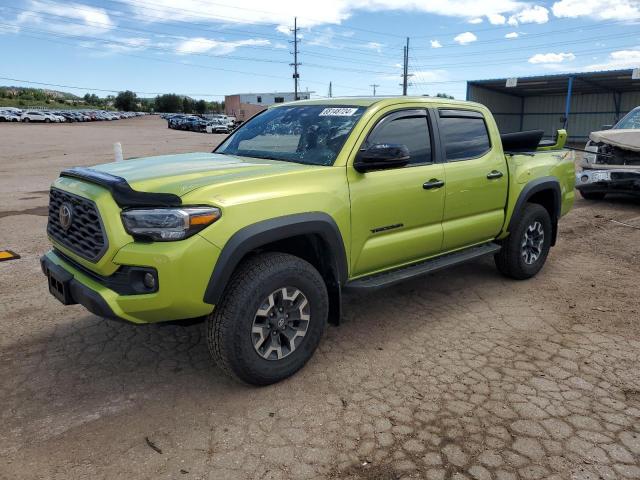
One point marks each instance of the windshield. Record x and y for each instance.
(309, 134)
(630, 120)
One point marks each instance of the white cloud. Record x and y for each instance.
(420, 76)
(309, 13)
(88, 20)
(435, 44)
(465, 38)
(496, 19)
(551, 57)
(322, 38)
(430, 76)
(535, 14)
(114, 45)
(9, 29)
(619, 59)
(374, 46)
(216, 47)
(598, 9)
(476, 21)
(512, 35)
(284, 29)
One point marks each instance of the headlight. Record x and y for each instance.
(168, 224)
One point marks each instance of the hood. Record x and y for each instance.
(628, 139)
(182, 173)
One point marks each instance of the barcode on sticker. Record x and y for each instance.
(338, 112)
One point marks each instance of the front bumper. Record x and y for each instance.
(183, 271)
(609, 181)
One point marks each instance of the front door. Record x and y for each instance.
(396, 214)
(476, 179)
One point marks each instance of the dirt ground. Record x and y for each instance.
(460, 375)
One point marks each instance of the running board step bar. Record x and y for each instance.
(385, 279)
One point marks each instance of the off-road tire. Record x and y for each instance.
(592, 195)
(229, 326)
(509, 260)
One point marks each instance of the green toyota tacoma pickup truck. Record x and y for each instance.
(302, 203)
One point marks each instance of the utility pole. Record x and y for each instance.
(295, 64)
(405, 70)
(374, 85)
(330, 90)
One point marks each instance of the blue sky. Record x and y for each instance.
(211, 48)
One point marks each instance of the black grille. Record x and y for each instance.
(85, 236)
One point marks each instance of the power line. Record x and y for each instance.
(57, 85)
(511, 61)
(243, 20)
(539, 45)
(530, 35)
(188, 64)
(63, 19)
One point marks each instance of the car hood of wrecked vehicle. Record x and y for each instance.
(627, 139)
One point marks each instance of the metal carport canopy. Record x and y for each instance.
(583, 82)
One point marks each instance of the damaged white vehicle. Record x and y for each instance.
(612, 160)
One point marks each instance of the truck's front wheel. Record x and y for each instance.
(526, 248)
(270, 319)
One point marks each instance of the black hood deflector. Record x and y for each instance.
(121, 191)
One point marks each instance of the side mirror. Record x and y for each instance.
(382, 156)
(607, 127)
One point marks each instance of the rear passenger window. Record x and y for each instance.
(464, 137)
(411, 131)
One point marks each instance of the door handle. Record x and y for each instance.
(433, 183)
(494, 174)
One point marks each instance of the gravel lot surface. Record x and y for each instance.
(462, 374)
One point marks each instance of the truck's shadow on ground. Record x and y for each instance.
(94, 352)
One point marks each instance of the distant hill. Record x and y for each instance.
(35, 93)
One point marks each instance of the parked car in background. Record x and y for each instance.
(36, 116)
(216, 126)
(9, 116)
(613, 162)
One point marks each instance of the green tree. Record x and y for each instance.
(201, 106)
(168, 103)
(444, 95)
(187, 105)
(126, 101)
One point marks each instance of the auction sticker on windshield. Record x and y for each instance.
(338, 112)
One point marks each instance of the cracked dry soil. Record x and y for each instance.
(458, 375)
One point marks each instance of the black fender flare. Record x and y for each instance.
(262, 233)
(533, 187)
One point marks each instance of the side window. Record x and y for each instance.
(464, 137)
(410, 130)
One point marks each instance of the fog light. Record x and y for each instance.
(584, 178)
(149, 281)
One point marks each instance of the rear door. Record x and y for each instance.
(476, 178)
(395, 218)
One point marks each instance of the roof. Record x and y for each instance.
(583, 82)
(269, 93)
(368, 101)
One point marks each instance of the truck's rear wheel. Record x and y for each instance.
(270, 319)
(526, 248)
